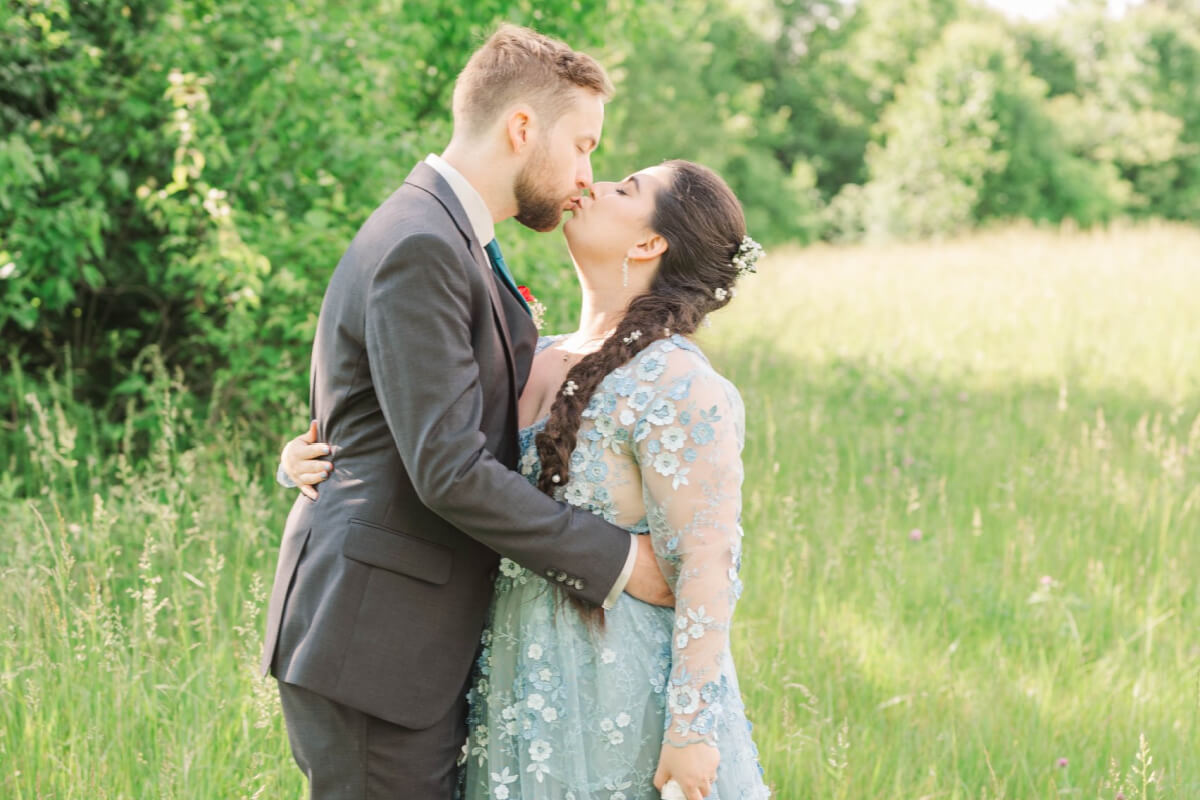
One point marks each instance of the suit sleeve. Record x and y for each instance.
(418, 340)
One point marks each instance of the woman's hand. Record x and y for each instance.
(301, 461)
(693, 767)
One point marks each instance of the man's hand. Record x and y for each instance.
(647, 582)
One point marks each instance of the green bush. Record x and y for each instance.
(165, 166)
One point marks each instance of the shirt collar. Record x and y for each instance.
(477, 211)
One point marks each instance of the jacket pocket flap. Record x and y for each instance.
(397, 552)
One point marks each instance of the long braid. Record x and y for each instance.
(650, 316)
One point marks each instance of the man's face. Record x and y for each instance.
(560, 166)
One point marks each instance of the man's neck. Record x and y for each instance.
(478, 165)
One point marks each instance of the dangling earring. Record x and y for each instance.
(625, 272)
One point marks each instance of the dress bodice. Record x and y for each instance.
(659, 451)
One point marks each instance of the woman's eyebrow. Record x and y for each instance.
(636, 185)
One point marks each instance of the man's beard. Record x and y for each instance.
(536, 208)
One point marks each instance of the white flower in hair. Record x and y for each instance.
(720, 293)
(633, 337)
(747, 256)
(570, 388)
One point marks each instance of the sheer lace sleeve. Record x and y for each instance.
(688, 445)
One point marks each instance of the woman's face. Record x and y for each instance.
(608, 224)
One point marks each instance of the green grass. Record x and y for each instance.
(1028, 401)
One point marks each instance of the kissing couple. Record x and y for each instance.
(528, 544)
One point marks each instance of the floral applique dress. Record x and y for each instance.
(564, 709)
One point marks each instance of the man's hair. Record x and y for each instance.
(519, 64)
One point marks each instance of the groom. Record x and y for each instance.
(422, 346)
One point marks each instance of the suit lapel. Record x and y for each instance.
(427, 178)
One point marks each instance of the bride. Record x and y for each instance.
(626, 418)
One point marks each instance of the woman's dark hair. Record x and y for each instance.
(703, 224)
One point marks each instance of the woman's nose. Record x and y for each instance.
(601, 188)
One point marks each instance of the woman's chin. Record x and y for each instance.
(569, 225)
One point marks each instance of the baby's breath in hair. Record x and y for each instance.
(747, 256)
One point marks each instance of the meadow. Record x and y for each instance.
(972, 511)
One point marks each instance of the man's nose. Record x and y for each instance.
(583, 178)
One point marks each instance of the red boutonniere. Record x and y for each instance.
(536, 309)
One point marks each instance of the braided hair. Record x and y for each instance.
(703, 224)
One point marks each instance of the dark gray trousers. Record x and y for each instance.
(347, 754)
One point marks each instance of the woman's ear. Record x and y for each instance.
(651, 246)
(519, 128)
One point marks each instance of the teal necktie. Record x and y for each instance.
(501, 270)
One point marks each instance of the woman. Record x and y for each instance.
(626, 418)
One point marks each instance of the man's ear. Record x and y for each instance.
(650, 246)
(519, 129)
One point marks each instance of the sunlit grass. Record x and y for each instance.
(973, 515)
(973, 536)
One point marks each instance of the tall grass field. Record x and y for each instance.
(972, 568)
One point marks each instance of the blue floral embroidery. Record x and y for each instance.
(553, 699)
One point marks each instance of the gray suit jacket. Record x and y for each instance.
(383, 582)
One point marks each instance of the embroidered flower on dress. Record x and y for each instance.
(650, 368)
(665, 464)
(673, 438)
(577, 493)
(683, 699)
(662, 413)
(502, 779)
(702, 433)
(641, 398)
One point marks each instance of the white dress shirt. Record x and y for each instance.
(485, 230)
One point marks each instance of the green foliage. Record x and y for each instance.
(967, 139)
(184, 176)
(167, 165)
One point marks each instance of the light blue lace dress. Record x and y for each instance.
(562, 709)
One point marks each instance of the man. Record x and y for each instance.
(422, 347)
